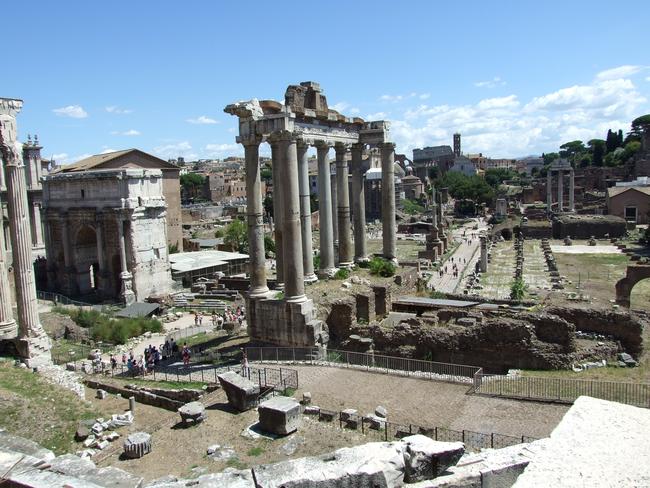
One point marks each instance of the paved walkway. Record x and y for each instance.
(465, 256)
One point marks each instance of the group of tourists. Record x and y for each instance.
(217, 320)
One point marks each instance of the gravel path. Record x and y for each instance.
(427, 403)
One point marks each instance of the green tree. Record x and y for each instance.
(192, 184)
(236, 236)
(266, 175)
(639, 126)
(381, 267)
(411, 207)
(269, 246)
(550, 157)
(597, 148)
(571, 150)
(495, 176)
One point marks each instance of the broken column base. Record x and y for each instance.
(35, 351)
(284, 323)
(8, 330)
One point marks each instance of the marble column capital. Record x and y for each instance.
(386, 145)
(357, 147)
(323, 145)
(253, 140)
(304, 144)
(281, 136)
(341, 148)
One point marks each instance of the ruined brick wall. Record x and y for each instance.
(583, 226)
(340, 319)
(626, 327)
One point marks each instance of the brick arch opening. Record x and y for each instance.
(634, 274)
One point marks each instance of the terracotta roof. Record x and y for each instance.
(96, 161)
(617, 190)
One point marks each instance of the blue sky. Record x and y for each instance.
(514, 77)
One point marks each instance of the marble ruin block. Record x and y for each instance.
(241, 392)
(279, 415)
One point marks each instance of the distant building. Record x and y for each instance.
(630, 200)
(441, 157)
(478, 159)
(529, 164)
(501, 164)
(412, 187)
(226, 186)
(462, 164)
(457, 151)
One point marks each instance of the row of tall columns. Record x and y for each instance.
(359, 204)
(292, 211)
(126, 293)
(325, 210)
(343, 206)
(560, 190)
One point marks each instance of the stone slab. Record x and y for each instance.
(597, 443)
(241, 392)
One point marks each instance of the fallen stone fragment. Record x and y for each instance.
(279, 415)
(242, 393)
(192, 413)
(137, 445)
(425, 458)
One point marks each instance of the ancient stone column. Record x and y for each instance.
(305, 212)
(484, 254)
(102, 274)
(571, 191)
(126, 294)
(38, 226)
(549, 190)
(388, 200)
(325, 211)
(69, 274)
(258, 285)
(334, 205)
(277, 160)
(33, 344)
(294, 284)
(560, 190)
(8, 327)
(358, 205)
(343, 206)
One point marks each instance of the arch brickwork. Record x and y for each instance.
(635, 273)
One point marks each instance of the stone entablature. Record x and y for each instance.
(106, 233)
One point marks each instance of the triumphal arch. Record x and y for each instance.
(105, 234)
(305, 120)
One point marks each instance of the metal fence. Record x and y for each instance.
(385, 430)
(60, 299)
(276, 378)
(453, 373)
(564, 390)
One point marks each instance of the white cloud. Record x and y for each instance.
(202, 120)
(107, 150)
(510, 127)
(647, 78)
(219, 150)
(391, 98)
(424, 96)
(340, 107)
(60, 157)
(354, 111)
(73, 111)
(174, 150)
(112, 109)
(496, 81)
(376, 116)
(619, 72)
(130, 132)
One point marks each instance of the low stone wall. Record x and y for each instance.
(140, 396)
(585, 226)
(626, 327)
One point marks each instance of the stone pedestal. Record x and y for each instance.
(137, 445)
(279, 415)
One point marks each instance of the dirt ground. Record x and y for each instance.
(407, 400)
(426, 403)
(183, 451)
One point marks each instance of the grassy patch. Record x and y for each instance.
(255, 451)
(288, 391)
(236, 463)
(32, 408)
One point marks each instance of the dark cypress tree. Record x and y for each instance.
(611, 141)
(620, 138)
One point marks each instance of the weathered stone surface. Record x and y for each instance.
(280, 415)
(597, 444)
(21, 445)
(306, 398)
(82, 433)
(241, 392)
(377, 464)
(192, 413)
(101, 394)
(137, 445)
(425, 458)
(381, 412)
